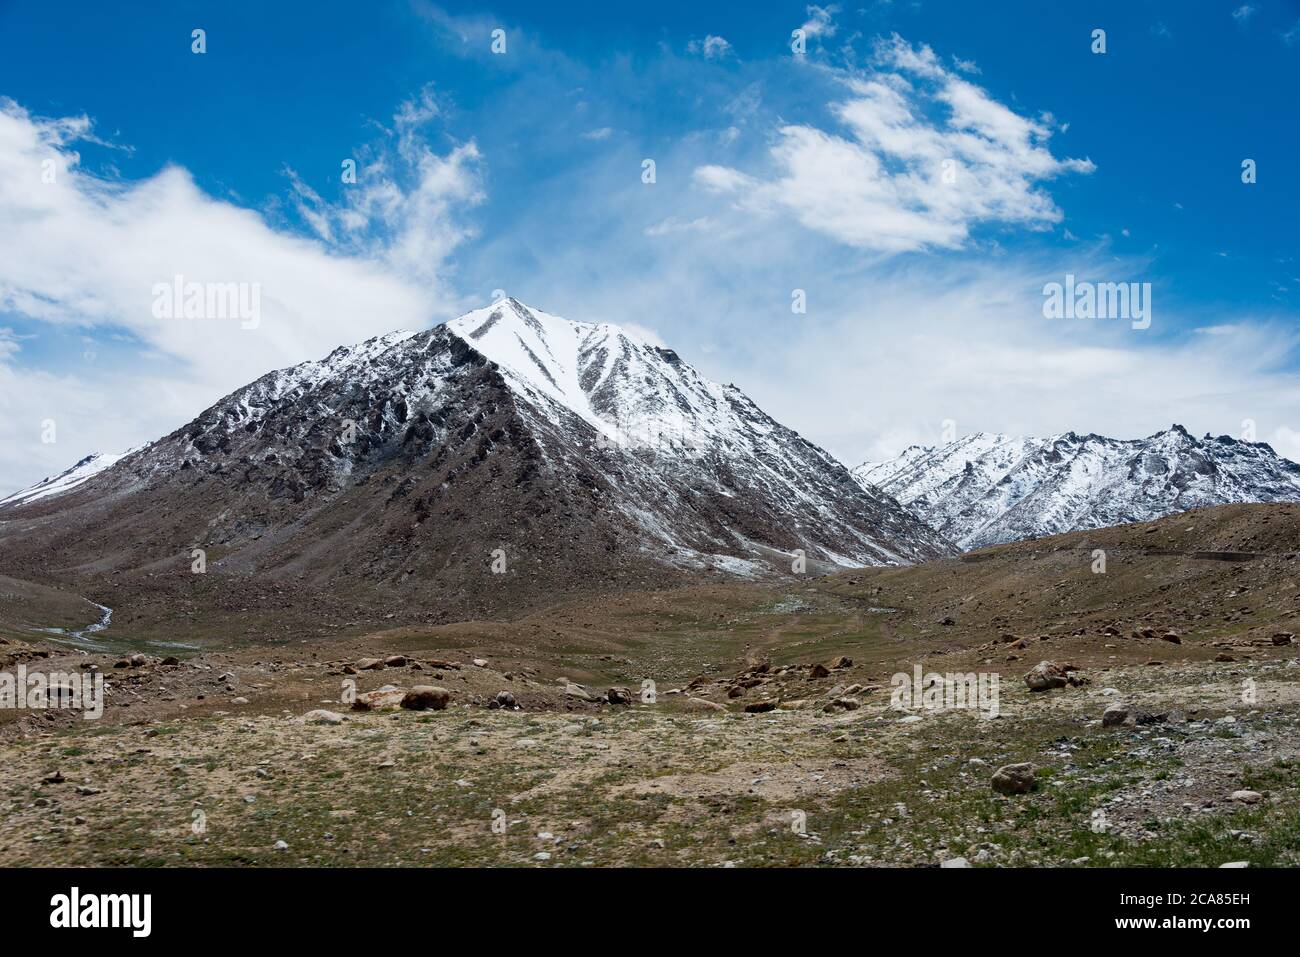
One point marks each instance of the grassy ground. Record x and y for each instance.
(210, 762)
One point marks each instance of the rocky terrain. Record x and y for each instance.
(986, 489)
(1146, 714)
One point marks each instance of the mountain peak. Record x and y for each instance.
(67, 480)
(584, 452)
(1026, 488)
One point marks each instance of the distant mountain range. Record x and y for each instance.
(986, 489)
(575, 453)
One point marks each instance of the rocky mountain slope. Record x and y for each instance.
(986, 489)
(493, 461)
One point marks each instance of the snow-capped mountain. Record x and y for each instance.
(576, 449)
(986, 489)
(67, 480)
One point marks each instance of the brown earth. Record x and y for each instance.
(668, 779)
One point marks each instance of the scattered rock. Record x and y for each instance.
(1247, 797)
(321, 716)
(699, 704)
(1116, 714)
(386, 698)
(426, 698)
(505, 699)
(572, 690)
(956, 862)
(843, 703)
(1048, 674)
(1014, 779)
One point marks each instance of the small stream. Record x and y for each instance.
(83, 638)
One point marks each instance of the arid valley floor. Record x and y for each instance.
(212, 760)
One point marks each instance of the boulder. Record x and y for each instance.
(426, 698)
(1116, 714)
(842, 703)
(1014, 779)
(370, 664)
(1048, 674)
(759, 707)
(619, 696)
(386, 698)
(699, 704)
(818, 671)
(321, 716)
(572, 690)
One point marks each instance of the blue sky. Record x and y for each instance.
(522, 171)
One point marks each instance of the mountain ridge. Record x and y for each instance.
(576, 451)
(991, 488)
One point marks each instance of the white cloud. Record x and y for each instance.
(1243, 13)
(402, 208)
(646, 334)
(918, 347)
(711, 47)
(1286, 442)
(902, 179)
(8, 343)
(820, 22)
(83, 251)
(721, 179)
(603, 133)
(672, 225)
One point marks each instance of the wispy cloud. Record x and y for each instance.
(901, 178)
(95, 249)
(820, 22)
(711, 47)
